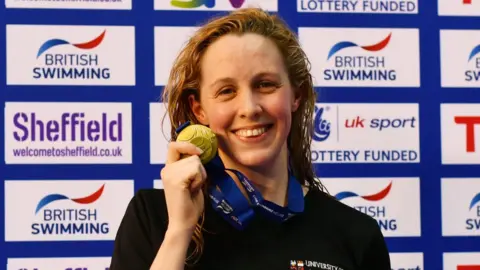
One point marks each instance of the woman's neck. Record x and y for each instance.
(270, 179)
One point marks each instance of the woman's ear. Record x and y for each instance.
(296, 100)
(197, 109)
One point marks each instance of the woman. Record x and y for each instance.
(245, 77)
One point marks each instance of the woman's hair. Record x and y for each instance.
(185, 79)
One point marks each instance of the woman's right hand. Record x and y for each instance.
(183, 179)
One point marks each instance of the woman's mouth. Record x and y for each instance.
(254, 132)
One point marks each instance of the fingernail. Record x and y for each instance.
(200, 151)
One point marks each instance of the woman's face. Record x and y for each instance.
(246, 99)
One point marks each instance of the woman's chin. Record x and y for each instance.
(256, 159)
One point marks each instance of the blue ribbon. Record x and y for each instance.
(234, 207)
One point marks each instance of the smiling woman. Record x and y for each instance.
(246, 78)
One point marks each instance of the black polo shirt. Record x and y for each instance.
(328, 235)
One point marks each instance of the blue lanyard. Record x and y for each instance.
(231, 204)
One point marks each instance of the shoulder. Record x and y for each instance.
(357, 231)
(338, 212)
(141, 231)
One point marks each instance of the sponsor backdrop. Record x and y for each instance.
(397, 122)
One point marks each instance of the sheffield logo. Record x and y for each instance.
(71, 65)
(351, 66)
(378, 211)
(68, 132)
(338, 140)
(358, 6)
(206, 3)
(67, 220)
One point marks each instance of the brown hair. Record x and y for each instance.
(185, 80)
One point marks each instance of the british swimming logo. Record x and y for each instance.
(346, 133)
(72, 66)
(383, 199)
(359, 57)
(459, 133)
(206, 3)
(473, 74)
(58, 197)
(378, 211)
(57, 42)
(65, 209)
(66, 220)
(359, 6)
(220, 5)
(351, 66)
(461, 206)
(463, 68)
(71, 55)
(348, 44)
(373, 197)
(474, 222)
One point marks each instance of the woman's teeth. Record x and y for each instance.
(251, 132)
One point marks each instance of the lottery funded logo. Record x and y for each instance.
(383, 199)
(70, 55)
(160, 128)
(458, 7)
(219, 5)
(81, 263)
(361, 57)
(461, 261)
(68, 133)
(351, 133)
(406, 260)
(461, 206)
(460, 132)
(460, 58)
(355, 6)
(60, 210)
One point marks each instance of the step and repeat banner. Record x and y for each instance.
(397, 121)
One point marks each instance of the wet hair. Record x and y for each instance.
(185, 78)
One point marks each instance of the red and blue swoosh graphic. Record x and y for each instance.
(59, 197)
(57, 42)
(474, 201)
(373, 197)
(347, 44)
(474, 52)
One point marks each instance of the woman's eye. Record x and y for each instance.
(226, 91)
(267, 85)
